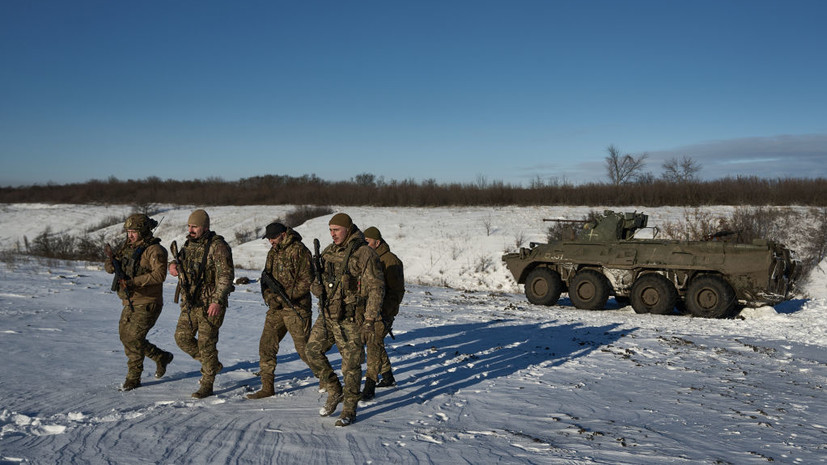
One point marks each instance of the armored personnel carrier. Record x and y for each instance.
(706, 278)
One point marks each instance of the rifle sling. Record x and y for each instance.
(199, 278)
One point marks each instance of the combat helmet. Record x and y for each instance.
(140, 222)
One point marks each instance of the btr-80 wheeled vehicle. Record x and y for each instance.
(706, 278)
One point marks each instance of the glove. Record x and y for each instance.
(368, 332)
(316, 288)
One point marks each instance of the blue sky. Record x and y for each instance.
(455, 91)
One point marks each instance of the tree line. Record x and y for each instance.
(368, 190)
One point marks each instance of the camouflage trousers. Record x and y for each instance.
(377, 357)
(197, 335)
(345, 334)
(133, 328)
(277, 324)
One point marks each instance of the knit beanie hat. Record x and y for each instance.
(341, 219)
(199, 218)
(373, 233)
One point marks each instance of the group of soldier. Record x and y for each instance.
(357, 280)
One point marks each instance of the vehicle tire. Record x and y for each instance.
(710, 296)
(653, 293)
(543, 286)
(589, 290)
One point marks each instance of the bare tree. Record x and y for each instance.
(365, 179)
(682, 170)
(623, 169)
(645, 178)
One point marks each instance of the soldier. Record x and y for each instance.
(206, 264)
(354, 288)
(377, 360)
(142, 259)
(285, 286)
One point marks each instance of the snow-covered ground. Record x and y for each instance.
(484, 376)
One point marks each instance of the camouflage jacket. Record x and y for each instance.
(358, 290)
(289, 263)
(214, 283)
(145, 264)
(394, 280)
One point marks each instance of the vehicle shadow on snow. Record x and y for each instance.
(433, 361)
(791, 306)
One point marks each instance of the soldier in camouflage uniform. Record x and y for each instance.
(377, 356)
(206, 260)
(354, 287)
(289, 266)
(143, 260)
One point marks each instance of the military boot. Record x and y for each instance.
(334, 397)
(206, 387)
(267, 388)
(369, 392)
(161, 364)
(347, 417)
(131, 383)
(387, 380)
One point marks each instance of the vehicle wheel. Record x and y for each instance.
(653, 293)
(710, 296)
(589, 290)
(543, 286)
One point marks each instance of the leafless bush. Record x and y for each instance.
(750, 223)
(9, 258)
(67, 247)
(486, 223)
(456, 251)
(483, 264)
(145, 207)
(519, 239)
(813, 252)
(299, 215)
(696, 225)
(246, 235)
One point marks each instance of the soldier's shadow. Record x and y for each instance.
(196, 375)
(447, 359)
(253, 381)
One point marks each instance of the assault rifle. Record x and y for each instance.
(120, 276)
(274, 285)
(317, 266)
(183, 280)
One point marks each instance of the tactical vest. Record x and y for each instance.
(131, 262)
(194, 259)
(343, 288)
